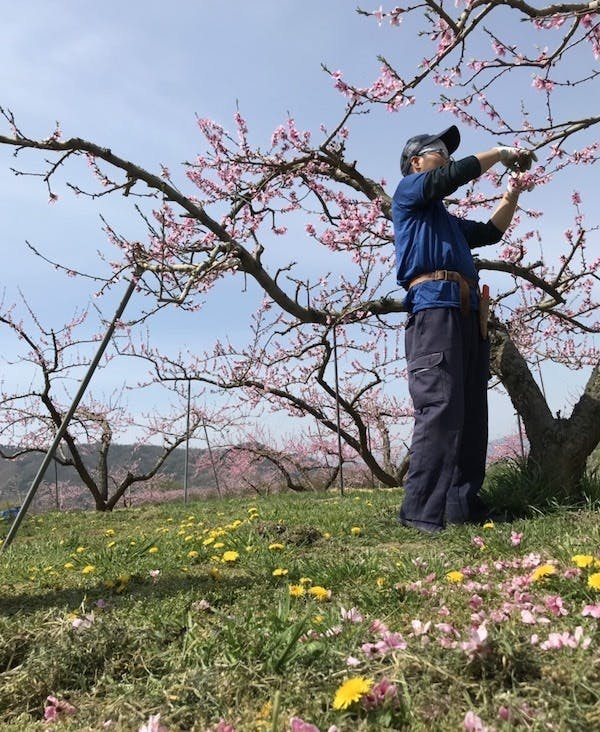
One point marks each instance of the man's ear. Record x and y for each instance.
(415, 164)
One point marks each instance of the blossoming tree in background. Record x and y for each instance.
(30, 418)
(246, 208)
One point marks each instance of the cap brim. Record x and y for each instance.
(450, 138)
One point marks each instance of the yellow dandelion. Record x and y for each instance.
(124, 578)
(583, 560)
(352, 690)
(209, 541)
(276, 547)
(594, 581)
(153, 550)
(305, 581)
(356, 531)
(69, 565)
(455, 576)
(381, 582)
(88, 569)
(192, 554)
(230, 556)
(327, 535)
(319, 593)
(109, 532)
(488, 525)
(80, 549)
(279, 572)
(111, 544)
(318, 619)
(218, 545)
(189, 537)
(215, 574)
(296, 590)
(544, 570)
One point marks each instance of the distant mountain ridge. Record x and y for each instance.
(16, 476)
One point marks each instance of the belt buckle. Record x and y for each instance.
(444, 273)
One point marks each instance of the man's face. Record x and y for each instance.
(432, 156)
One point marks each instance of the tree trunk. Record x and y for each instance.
(559, 447)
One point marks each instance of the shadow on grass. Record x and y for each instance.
(31, 601)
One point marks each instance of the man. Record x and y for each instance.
(447, 353)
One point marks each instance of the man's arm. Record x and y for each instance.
(505, 210)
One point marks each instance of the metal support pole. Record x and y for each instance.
(521, 435)
(337, 410)
(69, 415)
(187, 444)
(212, 460)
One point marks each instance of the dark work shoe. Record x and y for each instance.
(421, 526)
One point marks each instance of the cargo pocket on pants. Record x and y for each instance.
(427, 380)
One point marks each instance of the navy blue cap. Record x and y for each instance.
(449, 136)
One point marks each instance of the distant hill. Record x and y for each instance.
(16, 476)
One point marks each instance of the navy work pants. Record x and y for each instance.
(448, 371)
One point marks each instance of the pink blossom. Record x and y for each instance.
(475, 602)
(352, 615)
(55, 708)
(515, 538)
(555, 604)
(543, 84)
(476, 646)
(478, 541)
(420, 628)
(222, 726)
(153, 725)
(299, 725)
(383, 692)
(352, 661)
(379, 627)
(591, 610)
(504, 713)
(473, 723)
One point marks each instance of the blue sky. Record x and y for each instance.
(134, 75)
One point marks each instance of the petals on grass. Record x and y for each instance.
(594, 581)
(591, 610)
(473, 723)
(455, 576)
(352, 690)
(299, 725)
(544, 570)
(230, 556)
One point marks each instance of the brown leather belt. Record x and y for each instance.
(446, 274)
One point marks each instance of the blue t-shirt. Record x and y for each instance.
(428, 237)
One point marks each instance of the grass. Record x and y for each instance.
(138, 613)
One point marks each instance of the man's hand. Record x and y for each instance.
(517, 159)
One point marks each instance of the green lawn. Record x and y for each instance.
(255, 611)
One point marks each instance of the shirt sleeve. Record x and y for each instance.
(479, 234)
(443, 181)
